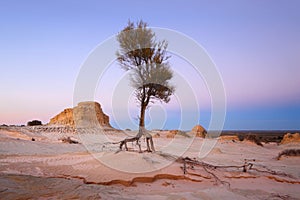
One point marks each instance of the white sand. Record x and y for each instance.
(93, 169)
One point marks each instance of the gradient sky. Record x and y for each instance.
(254, 44)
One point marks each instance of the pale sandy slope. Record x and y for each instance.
(47, 168)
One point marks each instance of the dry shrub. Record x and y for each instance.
(34, 123)
(254, 138)
(289, 152)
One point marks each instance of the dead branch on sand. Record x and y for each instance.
(248, 166)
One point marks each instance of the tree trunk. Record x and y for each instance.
(142, 130)
(142, 115)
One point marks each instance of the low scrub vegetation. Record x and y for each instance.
(289, 152)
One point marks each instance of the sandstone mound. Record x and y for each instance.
(63, 118)
(216, 150)
(200, 131)
(229, 137)
(85, 114)
(172, 133)
(290, 138)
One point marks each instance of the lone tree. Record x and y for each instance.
(150, 72)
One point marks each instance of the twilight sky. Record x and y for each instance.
(254, 44)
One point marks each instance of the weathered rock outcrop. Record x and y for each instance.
(199, 130)
(85, 114)
(63, 118)
(233, 138)
(290, 138)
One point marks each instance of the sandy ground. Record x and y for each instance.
(46, 168)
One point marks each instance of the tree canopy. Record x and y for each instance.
(150, 72)
(147, 60)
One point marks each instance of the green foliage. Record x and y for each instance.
(145, 58)
(147, 61)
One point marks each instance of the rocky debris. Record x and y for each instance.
(51, 129)
(199, 131)
(69, 140)
(85, 114)
(34, 123)
(290, 138)
(69, 129)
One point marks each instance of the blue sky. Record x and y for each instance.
(254, 44)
